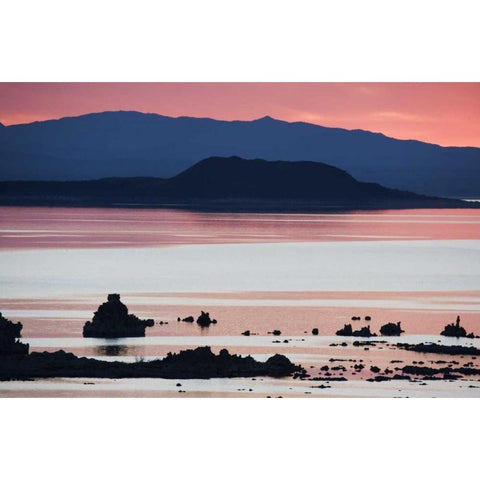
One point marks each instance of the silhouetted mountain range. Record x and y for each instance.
(226, 183)
(132, 144)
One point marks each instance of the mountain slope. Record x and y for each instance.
(226, 183)
(135, 144)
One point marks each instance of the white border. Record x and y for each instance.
(239, 41)
(239, 439)
(248, 40)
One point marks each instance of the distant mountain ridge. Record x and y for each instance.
(132, 144)
(226, 183)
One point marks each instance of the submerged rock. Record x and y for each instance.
(391, 329)
(112, 320)
(9, 333)
(347, 331)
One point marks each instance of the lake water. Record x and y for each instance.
(261, 272)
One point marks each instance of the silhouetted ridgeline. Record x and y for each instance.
(127, 144)
(228, 184)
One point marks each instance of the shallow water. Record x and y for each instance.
(250, 271)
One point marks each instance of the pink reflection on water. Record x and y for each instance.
(419, 312)
(24, 227)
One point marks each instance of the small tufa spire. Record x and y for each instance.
(113, 297)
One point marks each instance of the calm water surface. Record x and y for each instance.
(259, 272)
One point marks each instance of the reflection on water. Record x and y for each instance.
(111, 350)
(23, 227)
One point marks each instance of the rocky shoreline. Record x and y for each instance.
(112, 320)
(199, 363)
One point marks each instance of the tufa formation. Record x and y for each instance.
(112, 320)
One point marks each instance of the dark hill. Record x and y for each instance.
(235, 177)
(132, 144)
(227, 183)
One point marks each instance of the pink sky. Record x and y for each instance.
(443, 113)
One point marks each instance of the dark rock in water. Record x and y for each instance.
(277, 332)
(442, 349)
(329, 379)
(374, 369)
(347, 331)
(246, 333)
(379, 378)
(112, 320)
(186, 319)
(9, 333)
(391, 329)
(356, 318)
(198, 363)
(455, 330)
(368, 318)
(446, 372)
(204, 319)
(363, 343)
(315, 331)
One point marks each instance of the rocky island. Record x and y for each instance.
(455, 330)
(204, 319)
(391, 329)
(112, 320)
(347, 331)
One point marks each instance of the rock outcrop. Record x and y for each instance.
(112, 320)
(9, 334)
(204, 319)
(391, 329)
(347, 331)
(455, 330)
